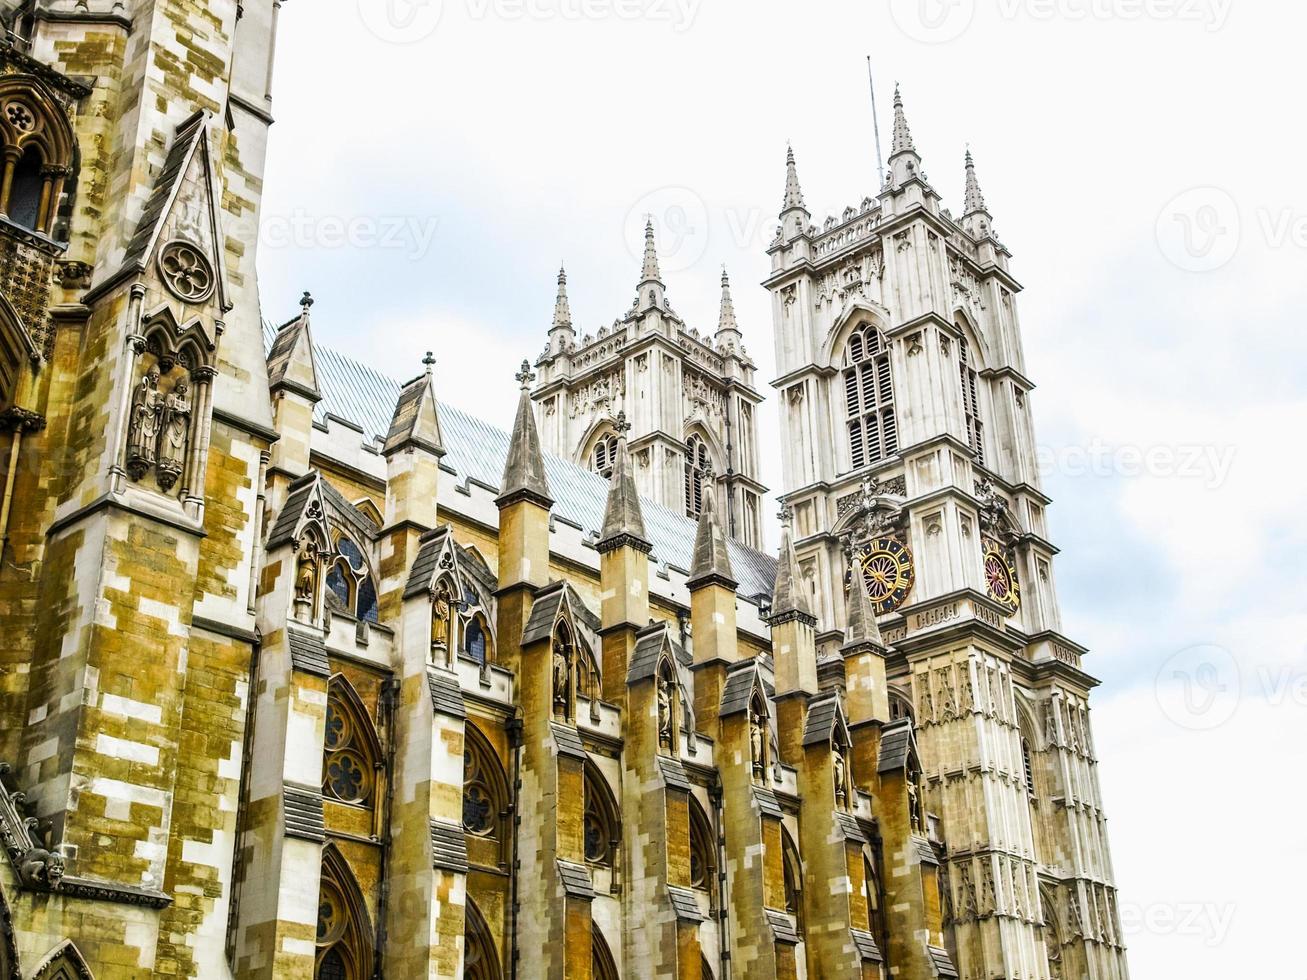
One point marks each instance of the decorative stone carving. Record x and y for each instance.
(665, 710)
(41, 869)
(562, 679)
(174, 435)
(757, 742)
(186, 272)
(306, 577)
(441, 611)
(143, 433)
(840, 770)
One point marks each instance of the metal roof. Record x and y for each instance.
(476, 450)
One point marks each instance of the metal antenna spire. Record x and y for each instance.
(875, 122)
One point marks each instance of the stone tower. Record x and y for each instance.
(135, 433)
(688, 397)
(909, 464)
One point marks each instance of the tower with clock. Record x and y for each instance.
(909, 467)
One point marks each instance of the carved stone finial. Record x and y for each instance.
(786, 515)
(525, 376)
(429, 361)
(621, 425)
(306, 301)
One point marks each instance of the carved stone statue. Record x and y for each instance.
(756, 741)
(440, 610)
(562, 679)
(306, 574)
(143, 432)
(840, 768)
(174, 435)
(665, 710)
(914, 807)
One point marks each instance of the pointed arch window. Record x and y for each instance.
(971, 400)
(604, 455)
(351, 753)
(477, 642)
(350, 588)
(603, 824)
(485, 800)
(344, 940)
(602, 966)
(703, 852)
(793, 878)
(869, 398)
(875, 897)
(698, 474)
(38, 144)
(480, 958)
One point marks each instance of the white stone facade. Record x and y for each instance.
(689, 399)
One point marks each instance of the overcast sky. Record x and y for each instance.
(433, 163)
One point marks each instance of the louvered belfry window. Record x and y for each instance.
(869, 398)
(971, 401)
(605, 454)
(698, 466)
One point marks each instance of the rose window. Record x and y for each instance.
(186, 272)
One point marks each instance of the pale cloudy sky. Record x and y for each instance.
(1143, 160)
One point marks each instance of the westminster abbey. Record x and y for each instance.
(307, 673)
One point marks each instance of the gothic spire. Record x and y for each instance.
(726, 321)
(562, 311)
(793, 194)
(524, 469)
(975, 200)
(623, 519)
(650, 271)
(862, 627)
(902, 135)
(711, 563)
(788, 598)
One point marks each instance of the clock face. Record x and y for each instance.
(888, 573)
(1001, 579)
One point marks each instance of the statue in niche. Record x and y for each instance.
(841, 772)
(173, 436)
(665, 710)
(756, 741)
(143, 433)
(562, 678)
(915, 816)
(306, 576)
(440, 618)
